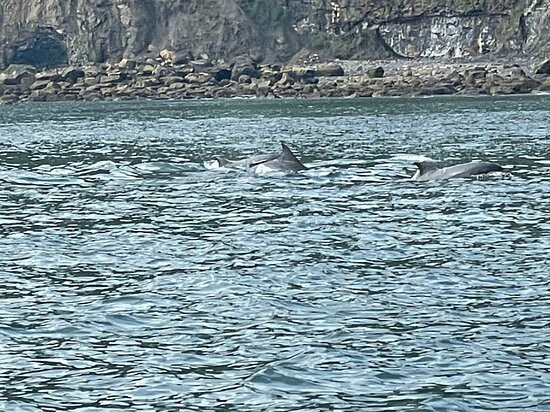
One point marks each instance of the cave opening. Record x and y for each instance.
(42, 48)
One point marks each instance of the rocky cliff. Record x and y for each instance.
(47, 33)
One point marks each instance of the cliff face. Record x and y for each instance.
(53, 32)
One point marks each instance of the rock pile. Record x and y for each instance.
(180, 76)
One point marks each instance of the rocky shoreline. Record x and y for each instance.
(175, 77)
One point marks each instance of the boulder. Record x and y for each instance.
(72, 74)
(201, 64)
(545, 86)
(375, 72)
(111, 78)
(526, 85)
(40, 84)
(244, 79)
(14, 74)
(221, 74)
(300, 74)
(25, 84)
(49, 75)
(284, 81)
(91, 81)
(330, 69)
(518, 73)
(127, 64)
(147, 69)
(176, 86)
(183, 71)
(91, 71)
(171, 80)
(271, 72)
(198, 78)
(436, 90)
(182, 57)
(167, 54)
(474, 76)
(244, 65)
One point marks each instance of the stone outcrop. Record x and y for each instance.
(49, 33)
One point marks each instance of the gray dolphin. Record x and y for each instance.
(284, 161)
(430, 171)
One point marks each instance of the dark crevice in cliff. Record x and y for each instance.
(41, 47)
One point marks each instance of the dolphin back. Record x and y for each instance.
(430, 171)
(478, 168)
(283, 161)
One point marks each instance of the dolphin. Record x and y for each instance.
(284, 161)
(430, 171)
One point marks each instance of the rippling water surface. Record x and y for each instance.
(131, 278)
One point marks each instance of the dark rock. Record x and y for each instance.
(271, 72)
(285, 80)
(543, 67)
(183, 71)
(244, 79)
(472, 77)
(376, 72)
(72, 74)
(436, 90)
(525, 86)
(182, 57)
(331, 69)
(222, 74)
(244, 65)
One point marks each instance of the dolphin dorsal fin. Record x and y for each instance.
(425, 167)
(287, 154)
(221, 161)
